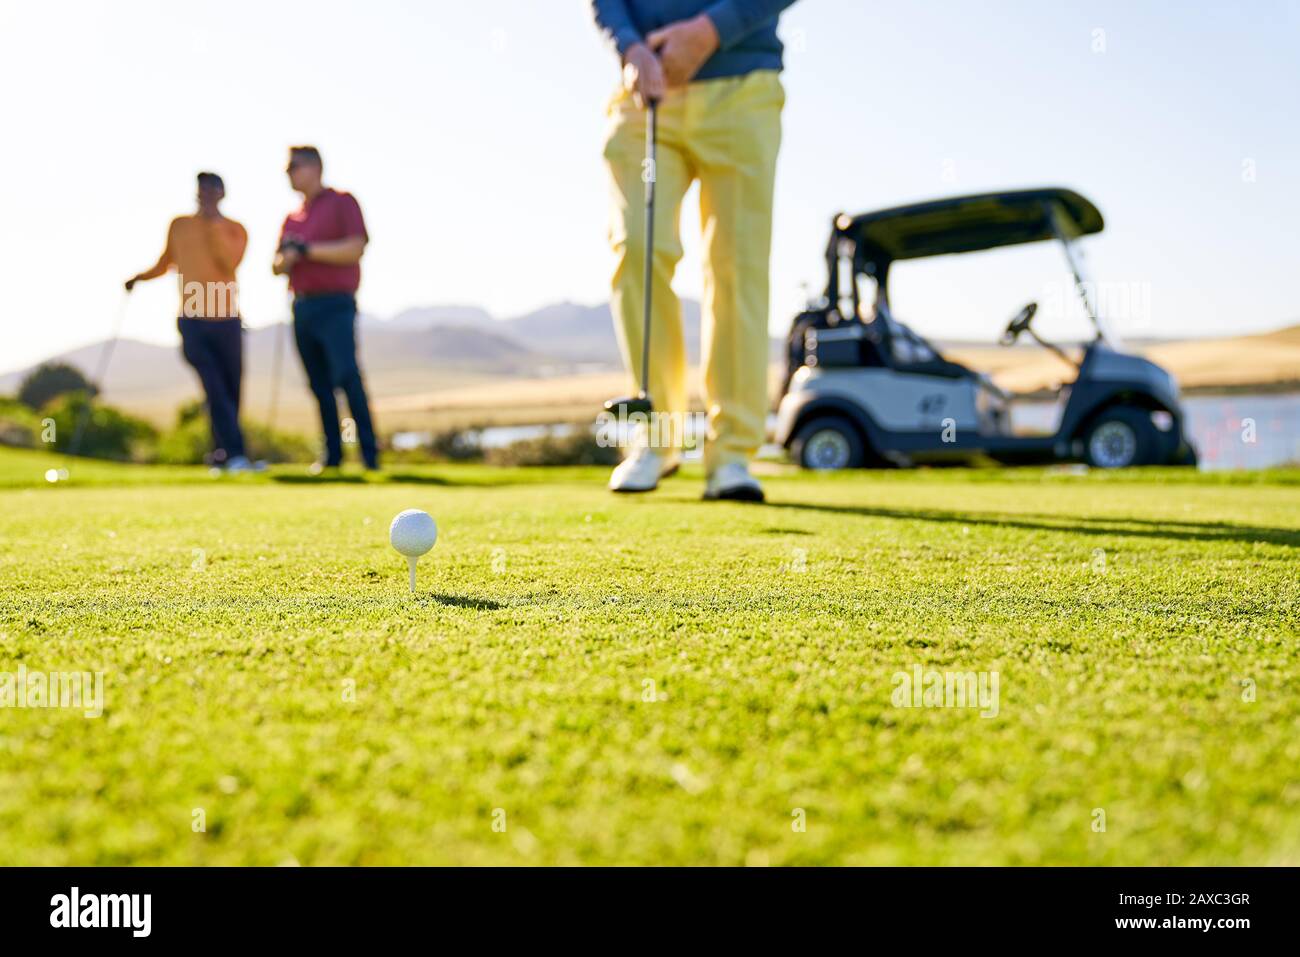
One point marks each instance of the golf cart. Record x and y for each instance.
(863, 389)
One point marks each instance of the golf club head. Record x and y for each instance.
(627, 406)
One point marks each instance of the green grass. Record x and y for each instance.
(521, 686)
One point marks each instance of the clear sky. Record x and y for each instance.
(471, 133)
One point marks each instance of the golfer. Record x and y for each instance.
(713, 66)
(205, 250)
(320, 251)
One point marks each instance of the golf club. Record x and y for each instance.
(629, 405)
(101, 368)
(277, 363)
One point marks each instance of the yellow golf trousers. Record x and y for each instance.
(725, 133)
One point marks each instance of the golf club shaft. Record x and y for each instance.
(105, 355)
(650, 173)
(277, 362)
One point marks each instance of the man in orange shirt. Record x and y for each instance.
(205, 249)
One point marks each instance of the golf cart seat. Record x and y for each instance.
(911, 352)
(933, 364)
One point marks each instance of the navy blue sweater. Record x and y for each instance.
(747, 37)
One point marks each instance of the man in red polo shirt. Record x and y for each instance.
(320, 251)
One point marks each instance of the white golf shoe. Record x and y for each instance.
(240, 463)
(732, 482)
(642, 470)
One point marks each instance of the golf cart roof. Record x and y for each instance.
(965, 224)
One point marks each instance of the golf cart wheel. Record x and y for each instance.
(1120, 437)
(828, 444)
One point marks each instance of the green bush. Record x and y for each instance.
(109, 434)
(194, 410)
(578, 447)
(452, 445)
(191, 440)
(456, 446)
(270, 446)
(19, 425)
(49, 380)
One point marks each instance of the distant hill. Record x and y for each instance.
(586, 333)
(464, 346)
(151, 366)
(428, 316)
(567, 331)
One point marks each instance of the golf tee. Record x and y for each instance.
(411, 560)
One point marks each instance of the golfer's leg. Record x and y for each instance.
(346, 373)
(737, 152)
(315, 364)
(228, 348)
(197, 350)
(624, 157)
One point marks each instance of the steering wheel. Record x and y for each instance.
(1019, 324)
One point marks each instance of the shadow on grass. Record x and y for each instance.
(418, 478)
(461, 601)
(410, 478)
(320, 479)
(502, 480)
(1122, 526)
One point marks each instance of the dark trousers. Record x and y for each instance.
(215, 348)
(324, 327)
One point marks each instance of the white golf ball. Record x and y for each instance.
(413, 532)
